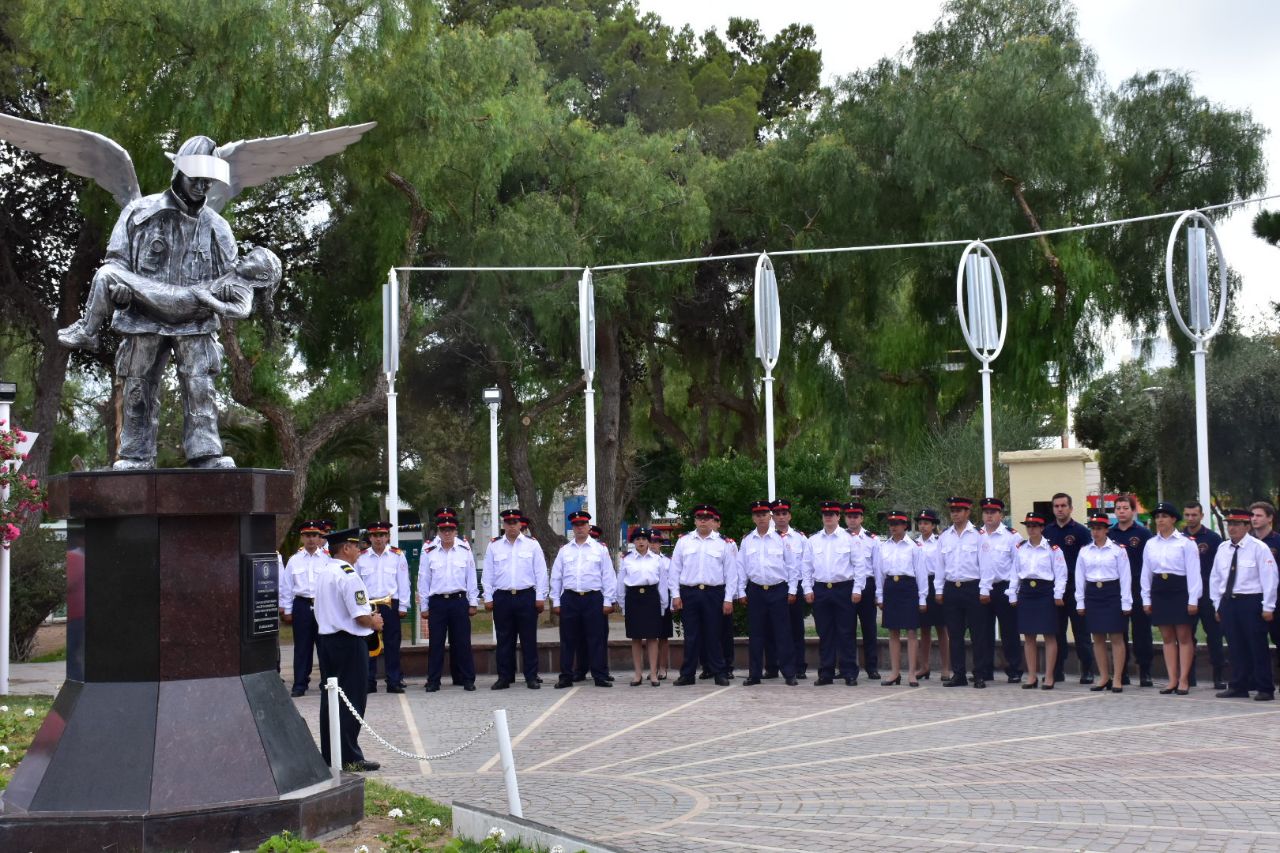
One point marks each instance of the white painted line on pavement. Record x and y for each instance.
(416, 739)
(984, 844)
(515, 741)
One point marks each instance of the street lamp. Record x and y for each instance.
(1153, 394)
(977, 280)
(8, 393)
(493, 398)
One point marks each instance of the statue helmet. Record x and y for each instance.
(195, 158)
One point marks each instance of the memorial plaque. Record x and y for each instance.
(260, 584)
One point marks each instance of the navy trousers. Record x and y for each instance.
(1006, 616)
(582, 614)
(1079, 632)
(769, 626)
(448, 618)
(964, 611)
(703, 615)
(1141, 648)
(1247, 643)
(835, 617)
(390, 656)
(867, 621)
(515, 616)
(1213, 631)
(343, 656)
(795, 637)
(305, 632)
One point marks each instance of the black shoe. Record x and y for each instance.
(608, 678)
(729, 675)
(1182, 692)
(1015, 679)
(1264, 697)
(851, 682)
(563, 682)
(979, 684)
(750, 681)
(431, 688)
(361, 766)
(298, 691)
(1219, 681)
(394, 688)
(500, 684)
(603, 682)
(1031, 685)
(1219, 685)
(1165, 691)
(1124, 681)
(770, 673)
(722, 681)
(683, 681)
(373, 688)
(401, 684)
(803, 676)
(956, 681)
(1047, 686)
(894, 683)
(1234, 694)
(791, 682)
(873, 674)
(534, 685)
(1144, 680)
(823, 681)
(1099, 688)
(924, 676)
(469, 686)
(577, 678)
(1087, 678)
(704, 675)
(1117, 689)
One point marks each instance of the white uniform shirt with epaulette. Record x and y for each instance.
(893, 559)
(704, 561)
(932, 557)
(995, 552)
(1255, 571)
(583, 567)
(385, 574)
(864, 544)
(794, 543)
(762, 560)
(1171, 555)
(959, 550)
(510, 567)
(647, 570)
(341, 598)
(828, 558)
(299, 576)
(444, 570)
(1037, 564)
(1101, 563)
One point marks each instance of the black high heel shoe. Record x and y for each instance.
(894, 683)
(1031, 685)
(923, 676)
(1099, 688)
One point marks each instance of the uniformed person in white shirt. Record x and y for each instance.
(794, 542)
(583, 657)
(996, 555)
(514, 582)
(1171, 594)
(1104, 597)
(770, 582)
(345, 624)
(833, 584)
(385, 572)
(932, 619)
(583, 588)
(297, 601)
(1243, 588)
(447, 599)
(1037, 591)
(902, 584)
(704, 579)
(965, 592)
(642, 579)
(864, 543)
(668, 615)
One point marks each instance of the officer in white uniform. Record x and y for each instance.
(770, 581)
(297, 601)
(995, 554)
(514, 583)
(583, 589)
(385, 572)
(1243, 587)
(345, 624)
(447, 599)
(704, 581)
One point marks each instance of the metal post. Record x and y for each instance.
(988, 462)
(508, 762)
(493, 469)
(335, 730)
(4, 573)
(1202, 427)
(587, 354)
(976, 307)
(768, 322)
(591, 445)
(768, 432)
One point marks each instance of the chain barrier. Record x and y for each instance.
(380, 739)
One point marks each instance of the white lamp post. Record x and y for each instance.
(587, 352)
(390, 364)
(1201, 328)
(768, 316)
(978, 323)
(8, 393)
(493, 398)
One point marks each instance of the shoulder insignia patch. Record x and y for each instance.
(494, 538)
(395, 550)
(1021, 543)
(360, 597)
(1055, 547)
(348, 569)
(428, 549)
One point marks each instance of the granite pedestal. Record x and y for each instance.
(173, 730)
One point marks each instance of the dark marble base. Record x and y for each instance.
(240, 827)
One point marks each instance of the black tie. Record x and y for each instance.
(1231, 573)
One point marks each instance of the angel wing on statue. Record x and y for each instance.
(171, 270)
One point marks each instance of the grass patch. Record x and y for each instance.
(51, 657)
(17, 729)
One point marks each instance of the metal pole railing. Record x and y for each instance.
(335, 731)
(508, 762)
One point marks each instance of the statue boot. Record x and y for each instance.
(212, 462)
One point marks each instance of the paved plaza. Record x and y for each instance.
(776, 768)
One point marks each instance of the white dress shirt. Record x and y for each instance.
(707, 560)
(995, 553)
(647, 570)
(1043, 563)
(386, 574)
(1173, 555)
(514, 566)
(959, 550)
(903, 557)
(762, 560)
(299, 576)
(1255, 571)
(583, 567)
(828, 558)
(1108, 562)
(341, 598)
(444, 570)
(932, 556)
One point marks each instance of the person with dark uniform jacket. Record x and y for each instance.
(514, 583)
(1133, 536)
(794, 543)
(932, 618)
(996, 555)
(448, 598)
(704, 580)
(769, 580)
(902, 583)
(1262, 523)
(965, 592)
(297, 601)
(344, 622)
(864, 543)
(1206, 542)
(1036, 591)
(642, 576)
(583, 587)
(1243, 588)
(1070, 536)
(1171, 594)
(1104, 597)
(831, 584)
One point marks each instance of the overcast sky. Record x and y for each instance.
(1227, 46)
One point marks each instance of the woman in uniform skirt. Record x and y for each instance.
(902, 582)
(1104, 597)
(1171, 587)
(927, 522)
(1039, 582)
(641, 575)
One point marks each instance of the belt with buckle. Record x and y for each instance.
(1033, 582)
(584, 591)
(702, 586)
(310, 598)
(1164, 576)
(447, 594)
(895, 578)
(1099, 584)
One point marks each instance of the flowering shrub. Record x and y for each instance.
(25, 495)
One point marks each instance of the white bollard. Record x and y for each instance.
(508, 762)
(335, 730)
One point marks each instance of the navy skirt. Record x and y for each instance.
(1169, 600)
(901, 603)
(668, 624)
(932, 617)
(1037, 614)
(643, 616)
(1102, 613)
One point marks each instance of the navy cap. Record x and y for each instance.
(1099, 517)
(959, 503)
(708, 509)
(640, 533)
(781, 505)
(854, 506)
(1034, 518)
(1166, 508)
(378, 527)
(760, 506)
(993, 503)
(595, 532)
(579, 515)
(311, 526)
(512, 513)
(1239, 515)
(927, 514)
(337, 537)
(897, 516)
(830, 506)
